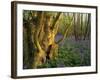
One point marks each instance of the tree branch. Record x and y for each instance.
(66, 31)
(38, 28)
(55, 21)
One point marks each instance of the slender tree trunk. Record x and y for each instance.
(87, 29)
(81, 26)
(75, 26)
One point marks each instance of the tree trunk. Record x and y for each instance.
(44, 39)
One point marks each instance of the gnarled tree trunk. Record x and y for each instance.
(44, 38)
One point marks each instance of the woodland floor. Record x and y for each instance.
(71, 54)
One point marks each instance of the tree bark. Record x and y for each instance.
(44, 39)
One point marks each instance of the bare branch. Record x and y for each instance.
(66, 31)
(55, 21)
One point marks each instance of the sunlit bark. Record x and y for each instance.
(44, 39)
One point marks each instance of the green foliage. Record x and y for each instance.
(86, 58)
(49, 64)
(68, 57)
